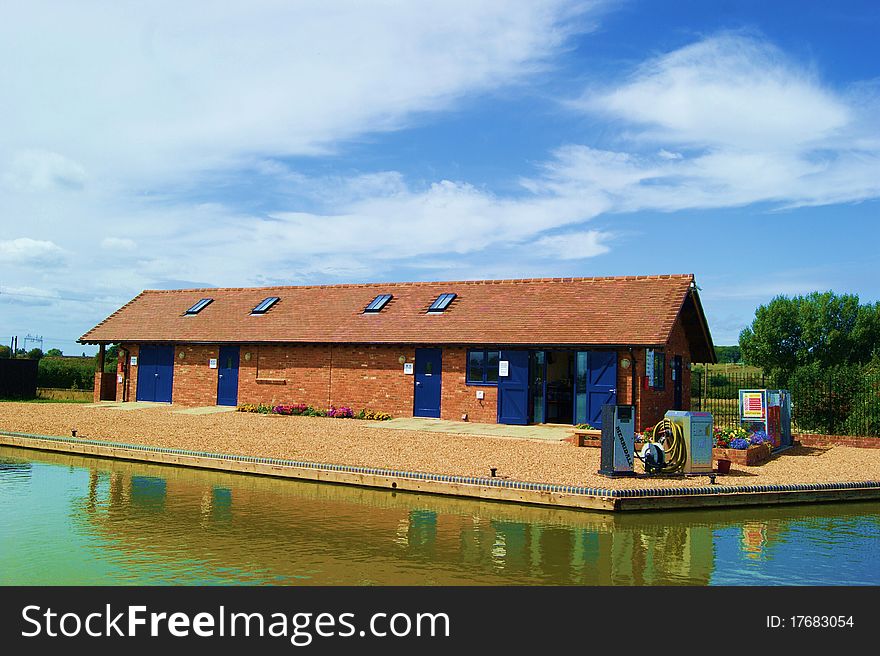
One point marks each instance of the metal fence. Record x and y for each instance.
(831, 403)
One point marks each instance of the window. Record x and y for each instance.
(265, 304)
(441, 302)
(378, 303)
(198, 307)
(659, 382)
(482, 367)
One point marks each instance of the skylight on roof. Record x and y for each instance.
(378, 303)
(441, 303)
(265, 304)
(198, 307)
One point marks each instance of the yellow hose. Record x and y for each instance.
(675, 448)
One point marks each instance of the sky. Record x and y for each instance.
(166, 145)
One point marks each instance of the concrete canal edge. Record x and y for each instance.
(494, 489)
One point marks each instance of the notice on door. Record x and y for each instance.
(503, 368)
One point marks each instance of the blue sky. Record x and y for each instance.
(238, 144)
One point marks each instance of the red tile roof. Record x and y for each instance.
(638, 310)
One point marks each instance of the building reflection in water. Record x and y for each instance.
(281, 528)
(137, 523)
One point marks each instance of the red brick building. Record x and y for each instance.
(511, 351)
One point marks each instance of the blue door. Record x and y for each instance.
(227, 376)
(601, 384)
(513, 389)
(426, 401)
(155, 373)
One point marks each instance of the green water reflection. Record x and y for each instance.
(72, 520)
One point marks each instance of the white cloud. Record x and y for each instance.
(145, 91)
(40, 171)
(27, 251)
(736, 122)
(728, 90)
(136, 105)
(28, 296)
(188, 95)
(118, 244)
(574, 245)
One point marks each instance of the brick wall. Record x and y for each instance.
(284, 374)
(194, 383)
(356, 376)
(814, 439)
(458, 398)
(653, 404)
(105, 386)
(372, 377)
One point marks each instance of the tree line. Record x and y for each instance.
(56, 370)
(826, 346)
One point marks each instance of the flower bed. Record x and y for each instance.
(754, 454)
(742, 447)
(303, 410)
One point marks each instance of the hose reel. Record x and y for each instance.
(665, 449)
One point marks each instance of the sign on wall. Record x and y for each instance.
(212, 363)
(134, 361)
(408, 368)
(649, 365)
(503, 368)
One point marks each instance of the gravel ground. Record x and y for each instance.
(352, 442)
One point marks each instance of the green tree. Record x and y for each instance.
(728, 354)
(112, 358)
(35, 354)
(822, 328)
(54, 353)
(5, 352)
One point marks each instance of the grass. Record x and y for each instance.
(728, 368)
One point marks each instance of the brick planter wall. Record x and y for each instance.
(814, 439)
(754, 455)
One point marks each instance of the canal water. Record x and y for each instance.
(84, 521)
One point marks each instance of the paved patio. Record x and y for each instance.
(145, 405)
(550, 433)
(205, 410)
(126, 405)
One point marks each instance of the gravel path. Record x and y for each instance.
(351, 442)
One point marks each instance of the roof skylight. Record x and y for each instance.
(198, 307)
(441, 302)
(378, 303)
(265, 304)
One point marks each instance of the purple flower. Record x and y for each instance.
(759, 437)
(340, 413)
(739, 443)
